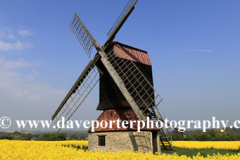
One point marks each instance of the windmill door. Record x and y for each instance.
(154, 141)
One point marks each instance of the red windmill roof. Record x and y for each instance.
(134, 54)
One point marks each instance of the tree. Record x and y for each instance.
(17, 137)
(49, 137)
(73, 137)
(52, 136)
(81, 138)
(238, 136)
(61, 137)
(202, 136)
(8, 136)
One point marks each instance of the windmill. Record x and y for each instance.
(129, 79)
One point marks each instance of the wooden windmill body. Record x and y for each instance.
(126, 91)
(109, 94)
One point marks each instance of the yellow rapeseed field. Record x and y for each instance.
(11, 149)
(222, 145)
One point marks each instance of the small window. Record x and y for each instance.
(101, 140)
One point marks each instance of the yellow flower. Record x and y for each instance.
(58, 150)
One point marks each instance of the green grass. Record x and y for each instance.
(193, 152)
(182, 151)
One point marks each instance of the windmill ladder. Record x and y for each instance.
(166, 143)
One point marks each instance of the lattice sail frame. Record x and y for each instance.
(76, 26)
(141, 90)
(80, 90)
(124, 13)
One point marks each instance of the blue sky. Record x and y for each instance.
(193, 46)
